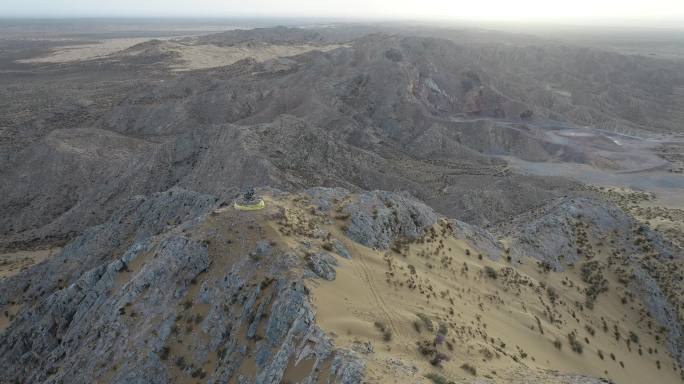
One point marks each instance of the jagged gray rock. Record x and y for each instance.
(322, 264)
(323, 198)
(548, 233)
(340, 249)
(478, 237)
(137, 220)
(348, 367)
(120, 314)
(377, 218)
(661, 309)
(73, 334)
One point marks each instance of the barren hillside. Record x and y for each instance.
(441, 206)
(328, 285)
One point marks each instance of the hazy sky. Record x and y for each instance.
(649, 11)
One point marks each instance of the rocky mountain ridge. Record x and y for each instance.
(209, 293)
(406, 237)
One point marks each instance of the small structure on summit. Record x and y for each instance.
(249, 201)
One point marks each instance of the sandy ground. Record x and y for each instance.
(210, 56)
(192, 56)
(15, 262)
(662, 212)
(438, 306)
(498, 326)
(434, 306)
(81, 52)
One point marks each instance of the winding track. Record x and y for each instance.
(363, 271)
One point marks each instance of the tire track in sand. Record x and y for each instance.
(365, 274)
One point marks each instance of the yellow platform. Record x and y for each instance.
(250, 207)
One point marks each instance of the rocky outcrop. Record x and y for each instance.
(478, 237)
(324, 198)
(322, 264)
(138, 219)
(147, 299)
(570, 231)
(550, 233)
(340, 249)
(171, 288)
(84, 322)
(377, 218)
(662, 309)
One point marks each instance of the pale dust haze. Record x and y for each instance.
(652, 13)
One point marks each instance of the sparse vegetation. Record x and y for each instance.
(575, 345)
(438, 379)
(252, 300)
(469, 368)
(438, 359)
(180, 363)
(164, 353)
(590, 329)
(490, 272)
(558, 344)
(551, 293)
(426, 321)
(384, 330)
(198, 373)
(591, 273)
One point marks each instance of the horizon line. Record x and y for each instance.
(646, 23)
